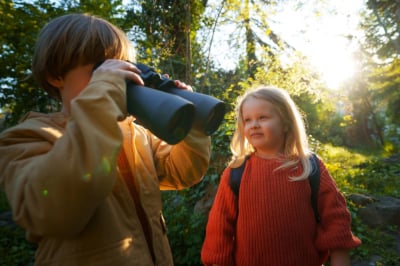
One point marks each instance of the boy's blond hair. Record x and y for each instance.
(296, 143)
(73, 40)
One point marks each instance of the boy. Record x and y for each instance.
(85, 182)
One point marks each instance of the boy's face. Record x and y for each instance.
(75, 81)
(72, 83)
(263, 128)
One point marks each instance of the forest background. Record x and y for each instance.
(354, 128)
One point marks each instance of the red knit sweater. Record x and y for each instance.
(275, 223)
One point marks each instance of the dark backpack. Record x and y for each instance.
(236, 177)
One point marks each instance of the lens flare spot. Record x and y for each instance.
(45, 192)
(106, 165)
(127, 242)
(87, 177)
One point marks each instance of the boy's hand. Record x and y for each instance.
(181, 85)
(124, 69)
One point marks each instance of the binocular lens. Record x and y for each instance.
(174, 125)
(214, 119)
(169, 117)
(209, 110)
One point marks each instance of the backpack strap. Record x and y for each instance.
(314, 180)
(236, 177)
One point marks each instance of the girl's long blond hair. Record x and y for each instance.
(296, 143)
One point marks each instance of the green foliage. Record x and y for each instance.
(385, 81)
(14, 249)
(381, 26)
(4, 205)
(356, 172)
(21, 22)
(165, 33)
(184, 235)
(185, 227)
(366, 173)
(379, 177)
(376, 242)
(374, 93)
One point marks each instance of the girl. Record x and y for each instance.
(272, 221)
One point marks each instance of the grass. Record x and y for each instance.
(366, 173)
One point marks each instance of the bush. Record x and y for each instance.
(186, 229)
(14, 249)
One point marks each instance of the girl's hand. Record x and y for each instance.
(340, 257)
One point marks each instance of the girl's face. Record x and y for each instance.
(263, 128)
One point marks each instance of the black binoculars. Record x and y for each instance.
(169, 112)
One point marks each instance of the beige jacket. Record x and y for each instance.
(62, 181)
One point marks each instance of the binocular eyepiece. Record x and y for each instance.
(169, 112)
